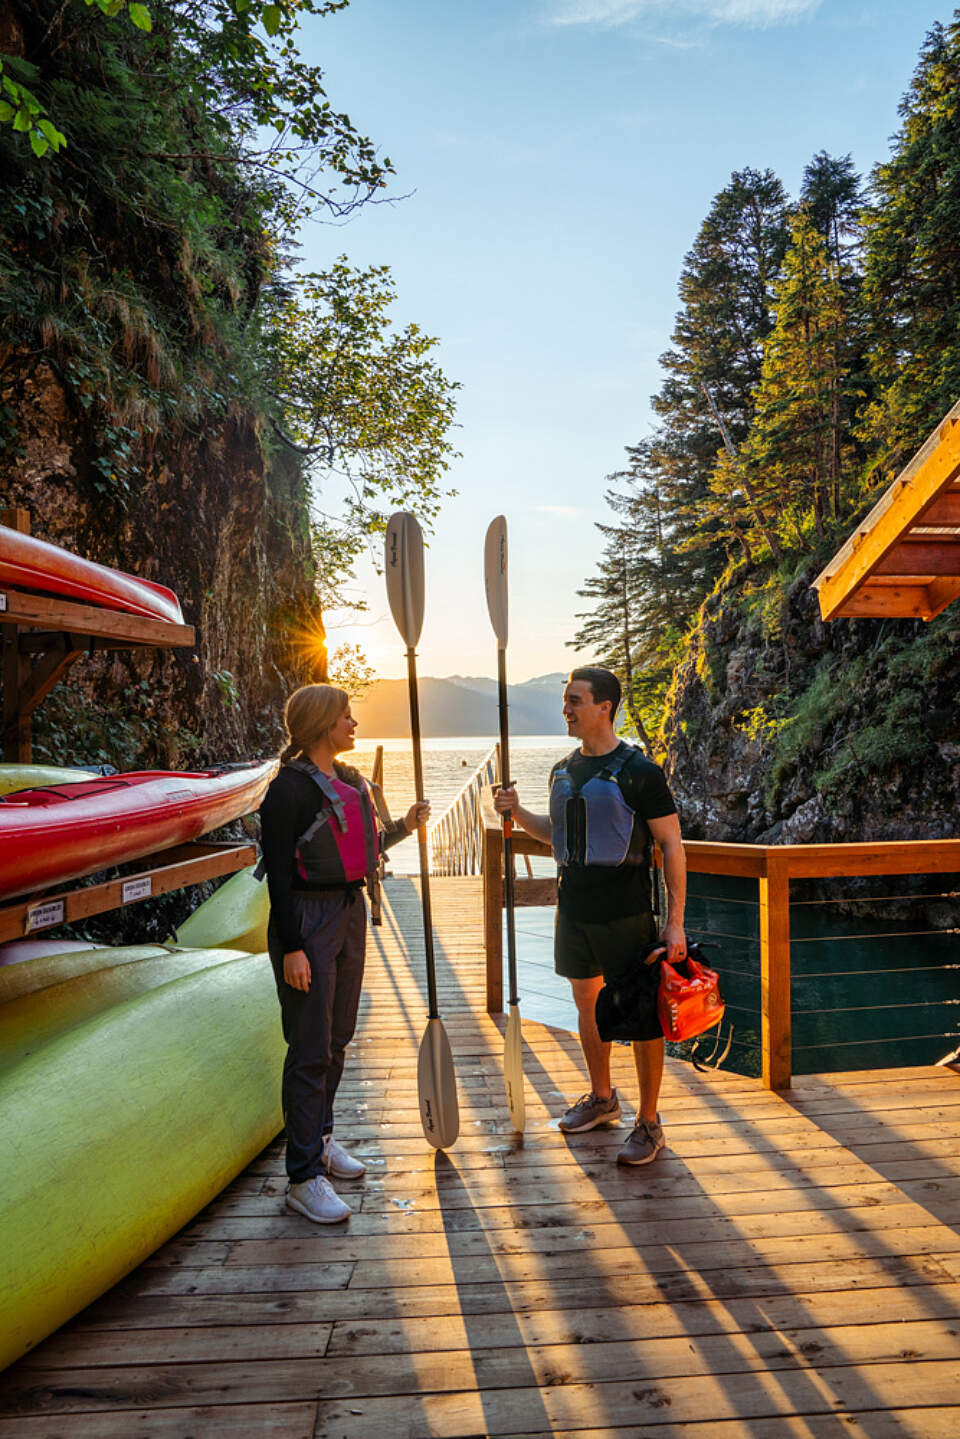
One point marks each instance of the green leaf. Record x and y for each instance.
(140, 16)
(55, 136)
(7, 112)
(22, 121)
(40, 146)
(272, 18)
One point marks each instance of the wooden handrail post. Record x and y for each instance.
(493, 915)
(775, 972)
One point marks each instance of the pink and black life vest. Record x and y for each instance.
(342, 845)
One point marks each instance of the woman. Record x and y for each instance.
(320, 837)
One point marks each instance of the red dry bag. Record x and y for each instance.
(688, 1001)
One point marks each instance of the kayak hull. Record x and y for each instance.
(30, 564)
(67, 831)
(118, 1132)
(235, 916)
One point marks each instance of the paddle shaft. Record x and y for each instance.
(508, 889)
(422, 834)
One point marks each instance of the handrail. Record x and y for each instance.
(773, 866)
(456, 837)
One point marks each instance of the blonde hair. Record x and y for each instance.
(309, 713)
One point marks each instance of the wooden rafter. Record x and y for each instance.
(904, 559)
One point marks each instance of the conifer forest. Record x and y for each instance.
(816, 346)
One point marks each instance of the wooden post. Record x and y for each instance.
(775, 971)
(15, 519)
(17, 744)
(493, 915)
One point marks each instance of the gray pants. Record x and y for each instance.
(318, 1025)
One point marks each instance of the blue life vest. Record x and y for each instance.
(594, 824)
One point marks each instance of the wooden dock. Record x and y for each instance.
(789, 1266)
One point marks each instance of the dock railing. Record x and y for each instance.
(772, 866)
(456, 837)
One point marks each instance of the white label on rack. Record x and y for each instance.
(3, 604)
(135, 889)
(42, 916)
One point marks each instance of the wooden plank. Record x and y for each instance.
(191, 867)
(943, 511)
(914, 856)
(924, 556)
(49, 613)
(493, 917)
(539, 892)
(775, 973)
(645, 1403)
(212, 1421)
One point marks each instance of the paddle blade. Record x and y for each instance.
(513, 1070)
(404, 566)
(437, 1085)
(495, 577)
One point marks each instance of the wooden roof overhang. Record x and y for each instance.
(903, 561)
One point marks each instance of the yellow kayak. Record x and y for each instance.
(236, 916)
(115, 1133)
(35, 776)
(40, 1015)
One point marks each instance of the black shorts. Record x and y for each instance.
(585, 951)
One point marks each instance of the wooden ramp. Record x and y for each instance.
(789, 1266)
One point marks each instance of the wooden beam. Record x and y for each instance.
(922, 555)
(875, 601)
(908, 856)
(539, 892)
(47, 613)
(188, 864)
(493, 915)
(931, 473)
(940, 593)
(40, 680)
(16, 518)
(776, 1056)
(17, 743)
(945, 510)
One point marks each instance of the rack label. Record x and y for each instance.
(3, 604)
(135, 889)
(43, 915)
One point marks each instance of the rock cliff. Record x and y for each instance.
(782, 729)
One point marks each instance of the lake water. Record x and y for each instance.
(447, 765)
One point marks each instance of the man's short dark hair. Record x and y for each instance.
(603, 683)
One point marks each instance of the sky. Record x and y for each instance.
(555, 159)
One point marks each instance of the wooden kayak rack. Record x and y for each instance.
(43, 635)
(160, 873)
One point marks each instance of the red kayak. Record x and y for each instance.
(31, 564)
(65, 831)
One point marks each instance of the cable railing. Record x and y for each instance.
(784, 967)
(456, 838)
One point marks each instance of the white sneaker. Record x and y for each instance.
(337, 1161)
(318, 1200)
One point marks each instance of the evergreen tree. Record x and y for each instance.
(912, 258)
(799, 442)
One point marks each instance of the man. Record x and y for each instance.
(607, 801)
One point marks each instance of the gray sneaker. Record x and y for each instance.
(589, 1111)
(644, 1144)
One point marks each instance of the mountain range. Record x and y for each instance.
(460, 705)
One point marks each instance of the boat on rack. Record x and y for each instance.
(27, 563)
(65, 831)
(134, 1085)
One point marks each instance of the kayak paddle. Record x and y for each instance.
(436, 1080)
(495, 581)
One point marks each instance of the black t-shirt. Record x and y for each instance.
(593, 893)
(288, 810)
